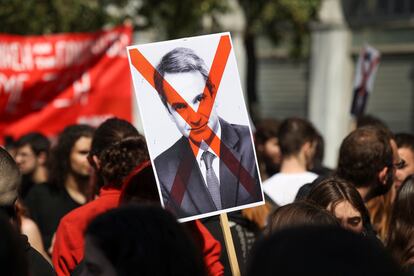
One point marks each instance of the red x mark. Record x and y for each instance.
(216, 72)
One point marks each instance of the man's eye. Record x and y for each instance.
(200, 98)
(179, 106)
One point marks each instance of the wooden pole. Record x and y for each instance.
(231, 252)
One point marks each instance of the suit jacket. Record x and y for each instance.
(197, 198)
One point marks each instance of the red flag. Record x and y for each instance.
(48, 82)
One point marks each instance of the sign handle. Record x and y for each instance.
(231, 252)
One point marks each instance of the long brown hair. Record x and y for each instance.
(401, 234)
(299, 214)
(334, 190)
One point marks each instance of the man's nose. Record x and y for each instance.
(18, 159)
(194, 118)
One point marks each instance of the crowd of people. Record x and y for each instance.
(88, 204)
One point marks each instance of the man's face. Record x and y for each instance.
(190, 86)
(78, 157)
(407, 168)
(26, 159)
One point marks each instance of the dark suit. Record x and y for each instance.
(197, 199)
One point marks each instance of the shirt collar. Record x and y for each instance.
(201, 151)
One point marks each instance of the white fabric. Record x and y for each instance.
(283, 187)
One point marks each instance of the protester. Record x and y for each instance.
(322, 251)
(150, 242)
(317, 162)
(269, 158)
(117, 148)
(140, 187)
(297, 143)
(405, 144)
(13, 260)
(299, 214)
(32, 151)
(366, 160)
(267, 147)
(401, 235)
(68, 186)
(10, 179)
(343, 201)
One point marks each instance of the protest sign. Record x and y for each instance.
(50, 81)
(366, 69)
(196, 125)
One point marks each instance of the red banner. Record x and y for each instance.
(48, 82)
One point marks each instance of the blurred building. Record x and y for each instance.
(319, 86)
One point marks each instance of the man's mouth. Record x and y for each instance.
(198, 128)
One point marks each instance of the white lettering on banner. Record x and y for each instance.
(102, 43)
(72, 52)
(15, 56)
(13, 86)
(81, 88)
(45, 62)
(118, 47)
(42, 48)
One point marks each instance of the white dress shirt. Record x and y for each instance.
(216, 161)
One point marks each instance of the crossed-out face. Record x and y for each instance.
(185, 112)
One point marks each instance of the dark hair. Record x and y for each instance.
(332, 191)
(140, 186)
(319, 250)
(180, 60)
(363, 154)
(319, 150)
(145, 240)
(266, 129)
(119, 148)
(405, 140)
(370, 120)
(37, 142)
(59, 161)
(10, 178)
(293, 134)
(298, 214)
(13, 258)
(401, 234)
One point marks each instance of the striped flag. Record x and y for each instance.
(366, 69)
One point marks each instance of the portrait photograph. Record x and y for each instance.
(196, 125)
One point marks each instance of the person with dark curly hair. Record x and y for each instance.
(117, 148)
(68, 185)
(118, 152)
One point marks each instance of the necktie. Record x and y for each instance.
(212, 180)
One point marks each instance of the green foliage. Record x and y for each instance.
(53, 16)
(280, 20)
(180, 18)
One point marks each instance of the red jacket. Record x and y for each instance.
(69, 241)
